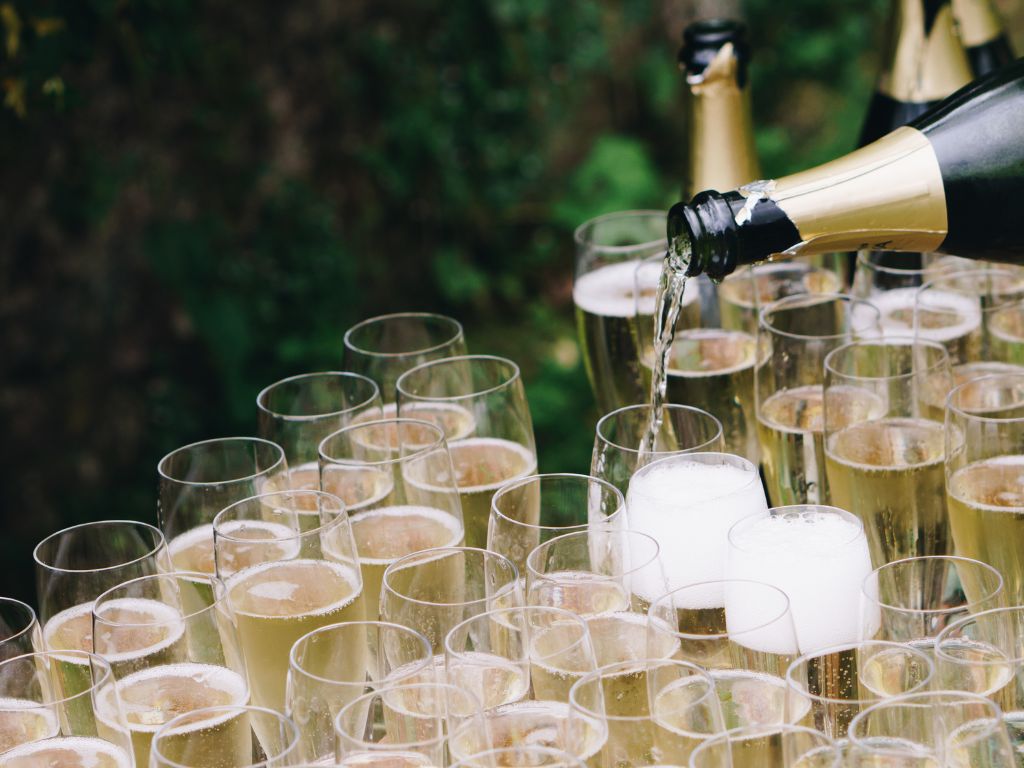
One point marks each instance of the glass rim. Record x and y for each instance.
(987, 378)
(375, 746)
(161, 544)
(95, 662)
(526, 629)
(212, 579)
(512, 485)
(294, 665)
(960, 274)
(264, 394)
(806, 658)
(550, 577)
(973, 617)
(749, 520)
(439, 443)
(887, 341)
(581, 241)
(565, 759)
(864, 257)
(275, 465)
(425, 555)
(757, 730)
(188, 717)
(341, 517)
(445, 319)
(803, 300)
(606, 418)
(646, 663)
(514, 376)
(675, 632)
(872, 578)
(33, 619)
(733, 459)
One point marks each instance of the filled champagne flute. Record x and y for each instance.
(19, 629)
(916, 598)
(226, 736)
(688, 504)
(434, 590)
(840, 681)
(931, 729)
(527, 512)
(172, 646)
(199, 480)
(40, 702)
(796, 333)
(400, 498)
(288, 570)
(783, 746)
(493, 444)
(743, 294)
(684, 429)
(297, 413)
(609, 249)
(885, 465)
(383, 348)
(521, 756)
(819, 557)
(984, 429)
(334, 665)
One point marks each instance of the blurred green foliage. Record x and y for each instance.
(200, 197)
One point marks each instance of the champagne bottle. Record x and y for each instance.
(983, 35)
(950, 182)
(715, 58)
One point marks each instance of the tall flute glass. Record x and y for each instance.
(684, 429)
(197, 481)
(795, 335)
(492, 442)
(19, 629)
(382, 348)
(334, 665)
(288, 571)
(527, 512)
(984, 458)
(609, 249)
(226, 736)
(298, 412)
(400, 499)
(884, 462)
(172, 646)
(75, 565)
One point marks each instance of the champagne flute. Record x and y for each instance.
(172, 646)
(297, 413)
(785, 746)
(288, 570)
(226, 736)
(19, 629)
(199, 480)
(334, 665)
(527, 512)
(497, 447)
(885, 464)
(399, 502)
(684, 429)
(383, 348)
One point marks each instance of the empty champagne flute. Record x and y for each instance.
(684, 429)
(383, 348)
(288, 570)
(399, 500)
(494, 444)
(783, 746)
(227, 736)
(199, 480)
(297, 413)
(172, 646)
(19, 629)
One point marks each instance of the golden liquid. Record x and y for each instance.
(1006, 326)
(986, 514)
(68, 752)
(277, 603)
(152, 697)
(585, 594)
(482, 466)
(355, 485)
(493, 679)
(890, 474)
(22, 721)
(201, 742)
(386, 534)
(386, 759)
(455, 421)
(193, 549)
(741, 296)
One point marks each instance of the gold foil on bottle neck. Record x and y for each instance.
(977, 21)
(885, 196)
(923, 65)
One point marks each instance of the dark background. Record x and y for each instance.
(198, 198)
